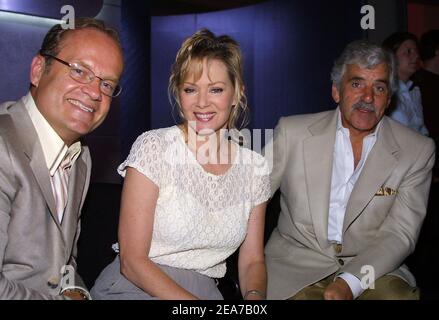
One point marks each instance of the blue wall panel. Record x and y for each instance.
(167, 34)
(288, 48)
(19, 42)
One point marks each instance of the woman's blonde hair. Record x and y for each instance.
(205, 45)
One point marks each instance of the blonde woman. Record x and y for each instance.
(192, 196)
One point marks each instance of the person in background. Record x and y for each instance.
(44, 168)
(406, 105)
(427, 79)
(354, 187)
(192, 196)
(423, 262)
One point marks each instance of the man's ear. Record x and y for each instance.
(37, 69)
(335, 94)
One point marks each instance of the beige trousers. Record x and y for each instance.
(386, 288)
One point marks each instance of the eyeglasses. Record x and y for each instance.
(84, 75)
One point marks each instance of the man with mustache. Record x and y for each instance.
(354, 187)
(44, 169)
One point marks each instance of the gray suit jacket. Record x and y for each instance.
(378, 230)
(34, 246)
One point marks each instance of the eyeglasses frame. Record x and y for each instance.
(71, 65)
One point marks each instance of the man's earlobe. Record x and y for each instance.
(335, 94)
(37, 69)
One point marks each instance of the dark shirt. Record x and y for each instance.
(428, 83)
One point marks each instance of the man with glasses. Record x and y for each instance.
(44, 169)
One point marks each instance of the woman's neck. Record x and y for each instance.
(213, 149)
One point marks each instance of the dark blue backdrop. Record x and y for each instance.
(288, 48)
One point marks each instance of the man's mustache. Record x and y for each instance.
(365, 106)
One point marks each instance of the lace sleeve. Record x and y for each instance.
(145, 157)
(261, 190)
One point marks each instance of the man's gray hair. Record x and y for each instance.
(366, 55)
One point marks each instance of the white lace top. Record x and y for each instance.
(200, 218)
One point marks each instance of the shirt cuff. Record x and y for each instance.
(353, 282)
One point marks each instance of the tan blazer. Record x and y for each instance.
(383, 216)
(34, 246)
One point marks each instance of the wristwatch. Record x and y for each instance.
(75, 289)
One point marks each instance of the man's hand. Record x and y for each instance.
(338, 290)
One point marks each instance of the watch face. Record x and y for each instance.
(72, 293)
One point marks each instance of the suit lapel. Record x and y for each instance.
(39, 169)
(318, 155)
(379, 165)
(34, 152)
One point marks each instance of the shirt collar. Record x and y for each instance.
(54, 148)
(342, 129)
(405, 86)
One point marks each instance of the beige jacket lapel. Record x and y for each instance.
(380, 163)
(318, 154)
(34, 152)
(39, 169)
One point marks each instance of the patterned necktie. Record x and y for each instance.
(60, 181)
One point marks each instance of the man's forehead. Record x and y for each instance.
(357, 69)
(88, 45)
(84, 32)
(87, 37)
